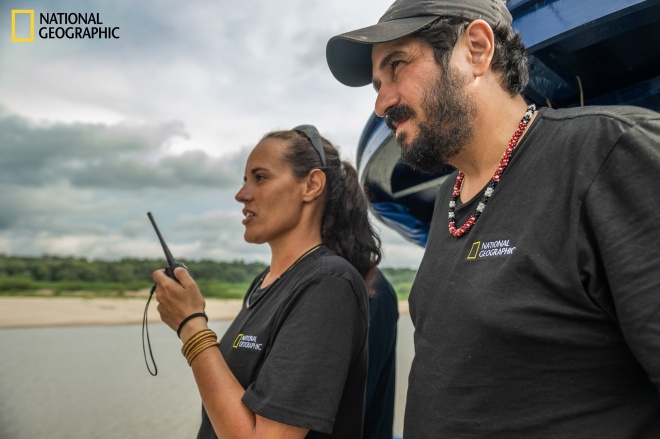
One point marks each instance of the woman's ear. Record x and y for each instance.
(480, 42)
(315, 185)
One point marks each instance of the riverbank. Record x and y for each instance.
(25, 312)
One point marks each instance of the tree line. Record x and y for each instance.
(62, 274)
(58, 268)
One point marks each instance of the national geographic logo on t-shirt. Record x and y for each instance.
(488, 249)
(60, 26)
(244, 341)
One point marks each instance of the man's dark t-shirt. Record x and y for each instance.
(544, 320)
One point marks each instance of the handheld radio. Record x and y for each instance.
(171, 262)
(169, 271)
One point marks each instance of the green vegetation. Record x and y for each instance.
(401, 279)
(67, 276)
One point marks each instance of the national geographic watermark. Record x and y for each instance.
(60, 26)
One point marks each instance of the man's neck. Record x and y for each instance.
(493, 127)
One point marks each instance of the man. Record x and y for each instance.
(537, 303)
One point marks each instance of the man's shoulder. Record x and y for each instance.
(626, 115)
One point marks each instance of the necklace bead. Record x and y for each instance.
(490, 187)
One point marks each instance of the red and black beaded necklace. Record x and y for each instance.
(490, 187)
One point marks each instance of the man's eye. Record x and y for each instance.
(395, 64)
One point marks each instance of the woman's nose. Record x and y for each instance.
(242, 194)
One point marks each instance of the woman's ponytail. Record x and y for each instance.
(346, 227)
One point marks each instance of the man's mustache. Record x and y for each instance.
(397, 114)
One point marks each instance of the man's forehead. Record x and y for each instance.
(398, 44)
(405, 46)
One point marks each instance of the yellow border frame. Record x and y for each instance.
(474, 250)
(13, 25)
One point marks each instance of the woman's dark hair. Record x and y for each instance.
(345, 227)
(509, 57)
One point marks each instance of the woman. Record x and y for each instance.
(293, 364)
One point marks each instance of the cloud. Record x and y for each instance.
(84, 190)
(95, 133)
(218, 235)
(192, 168)
(111, 157)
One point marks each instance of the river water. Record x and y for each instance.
(91, 382)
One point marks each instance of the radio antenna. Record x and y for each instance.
(168, 255)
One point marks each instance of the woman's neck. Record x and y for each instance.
(284, 256)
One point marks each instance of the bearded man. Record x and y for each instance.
(537, 303)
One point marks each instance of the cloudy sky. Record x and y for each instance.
(95, 133)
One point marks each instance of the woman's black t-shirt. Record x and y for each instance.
(300, 349)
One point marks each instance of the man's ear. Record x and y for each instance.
(480, 42)
(315, 184)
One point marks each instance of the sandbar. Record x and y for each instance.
(26, 312)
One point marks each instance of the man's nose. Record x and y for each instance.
(385, 100)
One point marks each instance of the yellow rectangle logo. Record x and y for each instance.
(14, 13)
(474, 251)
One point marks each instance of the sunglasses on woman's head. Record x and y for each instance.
(314, 137)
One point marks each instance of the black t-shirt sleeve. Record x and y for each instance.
(302, 379)
(623, 210)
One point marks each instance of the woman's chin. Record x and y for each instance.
(251, 239)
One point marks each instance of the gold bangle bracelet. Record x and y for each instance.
(198, 342)
(199, 350)
(197, 335)
(195, 338)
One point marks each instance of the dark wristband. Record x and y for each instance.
(191, 316)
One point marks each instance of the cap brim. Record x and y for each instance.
(349, 54)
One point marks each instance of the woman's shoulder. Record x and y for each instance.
(331, 264)
(328, 278)
(325, 267)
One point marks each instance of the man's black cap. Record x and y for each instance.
(349, 54)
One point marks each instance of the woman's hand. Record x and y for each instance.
(176, 301)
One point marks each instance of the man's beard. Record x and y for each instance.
(448, 110)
